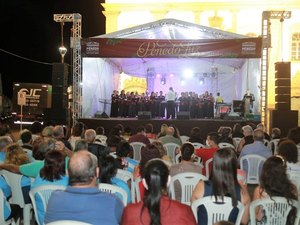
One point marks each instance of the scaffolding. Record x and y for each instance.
(75, 45)
(266, 44)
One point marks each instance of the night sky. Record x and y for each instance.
(28, 30)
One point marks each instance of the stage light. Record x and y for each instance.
(163, 81)
(201, 81)
(188, 73)
(158, 75)
(171, 75)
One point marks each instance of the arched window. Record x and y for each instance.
(296, 47)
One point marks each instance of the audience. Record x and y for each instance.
(247, 139)
(169, 137)
(77, 133)
(124, 156)
(82, 200)
(157, 207)
(94, 148)
(140, 136)
(196, 136)
(223, 182)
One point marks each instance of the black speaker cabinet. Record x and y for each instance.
(284, 119)
(183, 115)
(283, 70)
(144, 115)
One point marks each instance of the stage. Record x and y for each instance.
(184, 125)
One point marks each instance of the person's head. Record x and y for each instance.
(212, 139)
(176, 131)
(100, 130)
(141, 130)
(258, 135)
(54, 167)
(294, 135)
(170, 131)
(36, 127)
(113, 141)
(218, 94)
(159, 145)
(195, 133)
(163, 128)
(26, 137)
(288, 150)
(83, 169)
(247, 130)
(225, 132)
(78, 129)
(108, 169)
(274, 180)
(90, 135)
(47, 131)
(170, 88)
(58, 132)
(237, 128)
(187, 150)
(41, 146)
(149, 128)
(123, 149)
(224, 174)
(260, 126)
(16, 155)
(155, 179)
(81, 144)
(116, 130)
(148, 152)
(276, 132)
(5, 141)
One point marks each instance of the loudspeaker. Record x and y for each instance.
(56, 116)
(98, 114)
(284, 119)
(283, 86)
(237, 106)
(183, 115)
(59, 85)
(144, 115)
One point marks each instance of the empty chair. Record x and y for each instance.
(226, 145)
(137, 191)
(68, 222)
(120, 192)
(236, 141)
(39, 197)
(198, 145)
(137, 146)
(186, 183)
(275, 210)
(14, 181)
(217, 210)
(171, 150)
(252, 164)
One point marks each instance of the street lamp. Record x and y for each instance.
(62, 49)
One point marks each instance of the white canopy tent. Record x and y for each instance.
(229, 76)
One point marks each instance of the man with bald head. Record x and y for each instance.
(82, 200)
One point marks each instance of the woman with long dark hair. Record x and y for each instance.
(224, 182)
(275, 182)
(157, 208)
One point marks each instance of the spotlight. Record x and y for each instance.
(188, 73)
(201, 81)
(163, 81)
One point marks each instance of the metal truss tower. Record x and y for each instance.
(74, 18)
(266, 44)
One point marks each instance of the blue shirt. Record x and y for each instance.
(88, 205)
(122, 184)
(39, 204)
(131, 164)
(6, 193)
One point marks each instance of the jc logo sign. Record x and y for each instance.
(33, 92)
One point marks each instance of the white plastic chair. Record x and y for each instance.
(275, 210)
(2, 220)
(207, 164)
(273, 145)
(68, 222)
(217, 211)
(14, 181)
(226, 145)
(171, 150)
(137, 146)
(198, 145)
(187, 182)
(114, 190)
(236, 141)
(184, 138)
(137, 189)
(127, 176)
(43, 192)
(253, 163)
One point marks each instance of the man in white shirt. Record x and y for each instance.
(171, 103)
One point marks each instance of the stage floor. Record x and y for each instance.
(184, 126)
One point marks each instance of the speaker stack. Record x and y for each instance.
(283, 117)
(58, 114)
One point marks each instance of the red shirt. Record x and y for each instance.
(206, 154)
(171, 213)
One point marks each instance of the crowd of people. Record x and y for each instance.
(80, 158)
(163, 105)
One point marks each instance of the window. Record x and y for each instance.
(296, 47)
